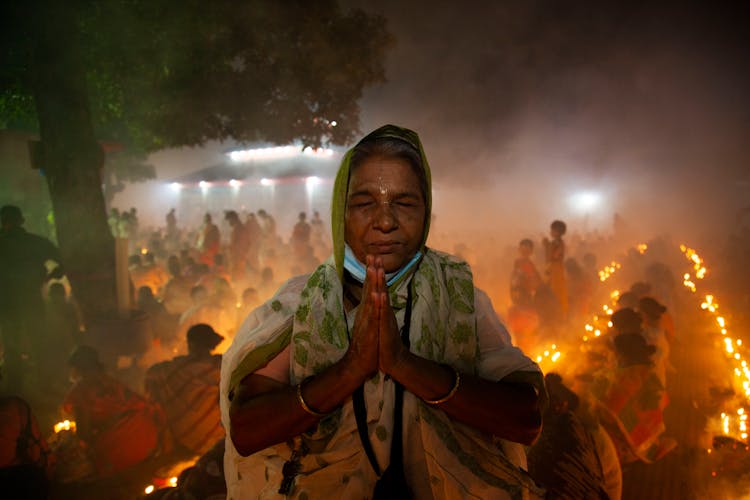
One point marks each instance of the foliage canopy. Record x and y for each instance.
(168, 73)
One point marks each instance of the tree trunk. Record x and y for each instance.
(71, 158)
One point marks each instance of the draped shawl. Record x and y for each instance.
(442, 458)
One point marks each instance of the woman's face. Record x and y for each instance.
(385, 211)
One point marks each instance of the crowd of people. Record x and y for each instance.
(191, 283)
(384, 368)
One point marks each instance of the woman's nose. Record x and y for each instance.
(385, 218)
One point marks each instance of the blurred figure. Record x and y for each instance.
(523, 319)
(653, 331)
(554, 254)
(172, 234)
(204, 480)
(63, 331)
(300, 239)
(187, 388)
(151, 275)
(239, 244)
(627, 300)
(207, 308)
(633, 406)
(23, 271)
(26, 462)
(177, 290)
(113, 219)
(254, 235)
(163, 324)
(573, 458)
(319, 237)
(119, 428)
(267, 285)
(209, 240)
(525, 278)
(250, 300)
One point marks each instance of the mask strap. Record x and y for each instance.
(359, 271)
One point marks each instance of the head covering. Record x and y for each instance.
(341, 187)
(651, 307)
(633, 349)
(202, 335)
(640, 288)
(628, 299)
(11, 215)
(85, 358)
(627, 320)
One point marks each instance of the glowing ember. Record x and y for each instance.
(65, 425)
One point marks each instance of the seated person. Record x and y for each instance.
(187, 388)
(120, 428)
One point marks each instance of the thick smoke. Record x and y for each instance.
(523, 104)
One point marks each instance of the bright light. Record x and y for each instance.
(334, 123)
(264, 153)
(176, 186)
(173, 482)
(266, 182)
(204, 184)
(65, 425)
(312, 181)
(234, 183)
(149, 489)
(274, 153)
(318, 152)
(585, 201)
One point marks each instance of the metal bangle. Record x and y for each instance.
(453, 391)
(304, 404)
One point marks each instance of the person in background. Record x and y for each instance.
(163, 324)
(633, 406)
(120, 428)
(154, 275)
(23, 272)
(26, 463)
(255, 237)
(653, 331)
(300, 239)
(176, 297)
(574, 457)
(239, 245)
(187, 389)
(209, 240)
(250, 300)
(63, 329)
(554, 253)
(523, 318)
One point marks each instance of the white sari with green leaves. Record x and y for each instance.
(442, 458)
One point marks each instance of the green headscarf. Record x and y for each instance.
(341, 187)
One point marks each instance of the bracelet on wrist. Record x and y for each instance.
(304, 404)
(451, 393)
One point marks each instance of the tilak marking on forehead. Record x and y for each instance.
(382, 186)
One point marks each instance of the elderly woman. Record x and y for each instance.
(385, 372)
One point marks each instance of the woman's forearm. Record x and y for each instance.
(264, 412)
(507, 410)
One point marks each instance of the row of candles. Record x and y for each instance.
(733, 423)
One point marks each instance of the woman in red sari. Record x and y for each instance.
(118, 427)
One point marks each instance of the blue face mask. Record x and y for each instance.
(359, 271)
